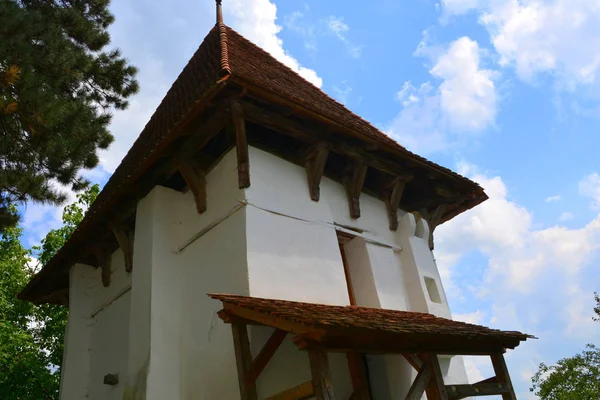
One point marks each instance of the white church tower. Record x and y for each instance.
(311, 230)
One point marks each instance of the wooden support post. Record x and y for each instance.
(264, 356)
(241, 144)
(436, 390)
(300, 392)
(353, 182)
(315, 165)
(392, 196)
(358, 374)
(124, 236)
(103, 260)
(243, 359)
(195, 178)
(420, 383)
(321, 379)
(502, 375)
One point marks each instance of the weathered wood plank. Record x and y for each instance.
(477, 389)
(321, 378)
(315, 165)
(358, 375)
(433, 220)
(195, 178)
(300, 392)
(243, 359)
(419, 384)
(353, 183)
(265, 355)
(503, 376)
(241, 144)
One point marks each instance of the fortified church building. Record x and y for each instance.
(260, 241)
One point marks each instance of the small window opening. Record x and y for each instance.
(432, 289)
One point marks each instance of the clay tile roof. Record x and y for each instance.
(432, 333)
(224, 54)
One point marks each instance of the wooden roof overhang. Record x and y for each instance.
(319, 329)
(230, 95)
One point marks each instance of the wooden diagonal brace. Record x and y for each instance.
(353, 183)
(195, 178)
(315, 165)
(301, 392)
(264, 356)
(420, 383)
(124, 236)
(502, 376)
(241, 144)
(321, 378)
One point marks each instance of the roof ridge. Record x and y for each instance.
(224, 49)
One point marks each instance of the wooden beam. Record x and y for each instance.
(241, 144)
(202, 133)
(264, 356)
(195, 178)
(353, 183)
(414, 361)
(436, 390)
(315, 165)
(103, 259)
(124, 236)
(301, 392)
(477, 389)
(392, 197)
(419, 384)
(502, 376)
(321, 379)
(243, 359)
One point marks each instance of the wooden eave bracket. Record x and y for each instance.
(103, 260)
(393, 195)
(241, 144)
(195, 178)
(353, 180)
(433, 220)
(124, 236)
(315, 166)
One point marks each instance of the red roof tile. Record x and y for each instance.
(388, 323)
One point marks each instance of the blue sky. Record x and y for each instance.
(504, 91)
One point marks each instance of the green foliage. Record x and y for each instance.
(572, 378)
(58, 85)
(31, 337)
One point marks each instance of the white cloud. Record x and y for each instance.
(550, 199)
(476, 317)
(339, 28)
(342, 94)
(295, 22)
(538, 37)
(566, 216)
(590, 187)
(464, 103)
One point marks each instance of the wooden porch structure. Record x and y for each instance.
(356, 331)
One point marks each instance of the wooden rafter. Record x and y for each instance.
(315, 165)
(243, 358)
(195, 178)
(353, 180)
(124, 236)
(477, 389)
(393, 196)
(321, 379)
(103, 260)
(241, 144)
